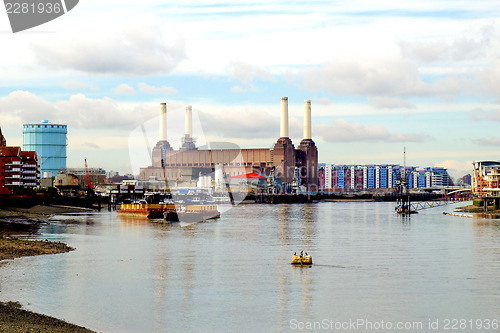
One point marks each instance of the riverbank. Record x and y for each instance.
(12, 247)
(14, 223)
(476, 209)
(13, 319)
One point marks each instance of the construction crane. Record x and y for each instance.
(89, 182)
(91, 197)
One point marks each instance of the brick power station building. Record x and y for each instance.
(284, 161)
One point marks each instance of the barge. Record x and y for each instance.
(151, 211)
(192, 213)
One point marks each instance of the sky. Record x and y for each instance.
(382, 76)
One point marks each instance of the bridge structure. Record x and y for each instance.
(451, 195)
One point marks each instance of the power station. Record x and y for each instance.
(283, 160)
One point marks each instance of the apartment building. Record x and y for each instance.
(382, 176)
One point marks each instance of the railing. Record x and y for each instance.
(430, 204)
(14, 184)
(435, 203)
(13, 170)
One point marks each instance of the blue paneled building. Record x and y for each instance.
(49, 141)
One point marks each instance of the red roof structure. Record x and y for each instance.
(252, 175)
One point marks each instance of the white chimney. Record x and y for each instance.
(307, 120)
(189, 121)
(163, 121)
(284, 118)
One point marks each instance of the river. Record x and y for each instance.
(371, 267)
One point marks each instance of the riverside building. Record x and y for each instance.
(283, 161)
(382, 176)
(19, 170)
(486, 179)
(49, 141)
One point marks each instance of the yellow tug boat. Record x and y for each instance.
(300, 259)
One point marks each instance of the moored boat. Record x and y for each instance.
(192, 213)
(404, 210)
(152, 211)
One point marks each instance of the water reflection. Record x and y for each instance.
(234, 274)
(284, 221)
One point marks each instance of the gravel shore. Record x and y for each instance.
(476, 209)
(16, 222)
(13, 319)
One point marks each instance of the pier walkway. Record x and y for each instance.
(449, 198)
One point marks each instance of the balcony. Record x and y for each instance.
(29, 179)
(13, 170)
(13, 177)
(30, 166)
(14, 184)
(14, 163)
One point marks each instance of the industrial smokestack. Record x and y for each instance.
(284, 118)
(163, 121)
(307, 120)
(189, 121)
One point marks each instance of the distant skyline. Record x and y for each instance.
(381, 76)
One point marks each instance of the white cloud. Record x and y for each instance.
(479, 114)
(389, 103)
(124, 89)
(90, 145)
(76, 85)
(78, 111)
(385, 76)
(342, 131)
(163, 90)
(456, 168)
(382, 77)
(238, 89)
(465, 46)
(489, 79)
(83, 112)
(492, 141)
(24, 107)
(246, 72)
(240, 123)
(135, 50)
(323, 101)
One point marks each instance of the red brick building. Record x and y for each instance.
(19, 170)
(284, 160)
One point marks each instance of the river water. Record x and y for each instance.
(371, 267)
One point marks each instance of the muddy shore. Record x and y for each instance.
(13, 319)
(15, 224)
(476, 209)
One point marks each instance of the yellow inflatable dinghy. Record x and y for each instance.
(302, 260)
